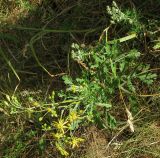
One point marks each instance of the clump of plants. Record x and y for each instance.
(56, 120)
(108, 72)
(111, 75)
(130, 17)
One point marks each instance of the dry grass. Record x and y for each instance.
(12, 11)
(144, 143)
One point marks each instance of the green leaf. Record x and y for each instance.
(111, 121)
(106, 105)
(67, 80)
(147, 78)
(130, 85)
(113, 68)
(157, 46)
(122, 66)
(42, 144)
(133, 54)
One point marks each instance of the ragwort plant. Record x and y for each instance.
(107, 72)
(58, 121)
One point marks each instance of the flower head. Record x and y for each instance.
(75, 141)
(60, 125)
(73, 116)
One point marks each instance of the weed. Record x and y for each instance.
(106, 71)
(107, 91)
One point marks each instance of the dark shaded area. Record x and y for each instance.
(52, 49)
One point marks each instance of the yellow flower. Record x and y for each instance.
(60, 125)
(73, 116)
(40, 119)
(81, 112)
(58, 135)
(73, 88)
(49, 109)
(35, 103)
(52, 111)
(75, 141)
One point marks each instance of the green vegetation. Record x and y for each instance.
(79, 77)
